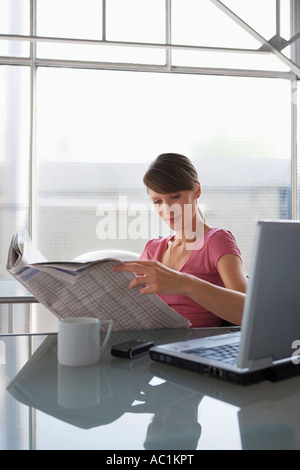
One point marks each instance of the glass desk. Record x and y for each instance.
(138, 404)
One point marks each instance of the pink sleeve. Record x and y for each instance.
(223, 243)
(145, 253)
(153, 249)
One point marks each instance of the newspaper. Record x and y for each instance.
(89, 287)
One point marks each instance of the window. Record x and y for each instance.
(243, 159)
(92, 91)
(14, 20)
(14, 154)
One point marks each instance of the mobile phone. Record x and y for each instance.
(131, 348)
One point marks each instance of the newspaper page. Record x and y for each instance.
(88, 288)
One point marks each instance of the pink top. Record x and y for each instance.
(201, 263)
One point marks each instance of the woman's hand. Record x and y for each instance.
(154, 277)
(157, 278)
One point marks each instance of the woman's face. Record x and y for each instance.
(176, 209)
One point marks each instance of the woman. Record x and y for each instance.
(198, 271)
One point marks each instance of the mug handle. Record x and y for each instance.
(108, 333)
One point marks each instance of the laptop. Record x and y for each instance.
(264, 348)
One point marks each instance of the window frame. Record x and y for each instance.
(33, 61)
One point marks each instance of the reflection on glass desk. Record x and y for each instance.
(122, 404)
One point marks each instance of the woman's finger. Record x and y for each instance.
(137, 281)
(137, 268)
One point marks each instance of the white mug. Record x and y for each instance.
(79, 340)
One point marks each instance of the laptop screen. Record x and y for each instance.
(272, 307)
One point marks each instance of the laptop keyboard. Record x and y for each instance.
(226, 353)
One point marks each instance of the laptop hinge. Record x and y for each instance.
(261, 363)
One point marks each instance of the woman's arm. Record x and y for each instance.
(226, 303)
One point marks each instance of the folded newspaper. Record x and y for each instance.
(88, 286)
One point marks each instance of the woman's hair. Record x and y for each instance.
(170, 173)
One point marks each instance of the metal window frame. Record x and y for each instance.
(267, 48)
